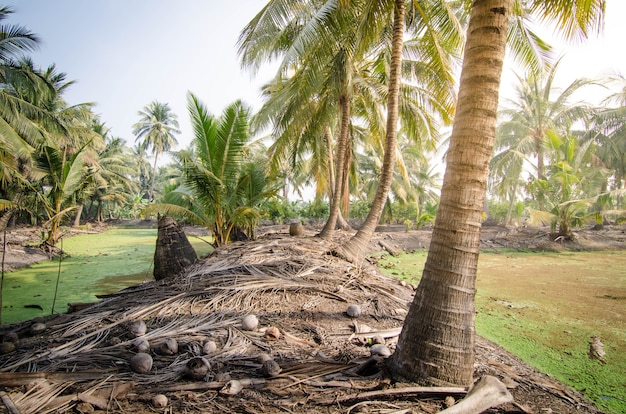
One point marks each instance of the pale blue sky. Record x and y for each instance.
(126, 53)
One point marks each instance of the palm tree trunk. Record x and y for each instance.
(354, 248)
(342, 144)
(331, 163)
(540, 171)
(79, 212)
(437, 341)
(345, 194)
(151, 193)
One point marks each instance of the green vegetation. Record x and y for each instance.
(544, 307)
(96, 264)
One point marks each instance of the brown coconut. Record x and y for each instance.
(296, 229)
(141, 363)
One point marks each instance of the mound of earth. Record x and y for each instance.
(321, 359)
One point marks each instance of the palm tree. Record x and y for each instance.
(14, 129)
(110, 180)
(609, 134)
(572, 183)
(156, 127)
(222, 189)
(437, 341)
(332, 75)
(537, 111)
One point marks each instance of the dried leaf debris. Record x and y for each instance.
(320, 356)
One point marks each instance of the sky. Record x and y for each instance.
(124, 54)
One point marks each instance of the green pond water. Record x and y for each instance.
(96, 264)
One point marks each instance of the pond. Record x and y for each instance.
(96, 264)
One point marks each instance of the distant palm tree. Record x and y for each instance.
(537, 111)
(156, 128)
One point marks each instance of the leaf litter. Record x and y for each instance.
(291, 285)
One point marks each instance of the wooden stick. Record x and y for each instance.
(8, 403)
(392, 250)
(394, 392)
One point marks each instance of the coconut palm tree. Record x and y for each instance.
(323, 55)
(572, 184)
(110, 180)
(15, 41)
(609, 134)
(156, 128)
(537, 111)
(437, 341)
(222, 189)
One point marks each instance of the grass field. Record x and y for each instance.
(544, 307)
(96, 264)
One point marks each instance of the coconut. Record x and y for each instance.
(198, 368)
(270, 368)
(209, 347)
(380, 350)
(137, 328)
(159, 401)
(37, 328)
(142, 345)
(141, 363)
(249, 322)
(6, 347)
(263, 357)
(354, 311)
(169, 347)
(272, 333)
(378, 339)
(296, 229)
(232, 387)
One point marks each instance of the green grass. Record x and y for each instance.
(96, 264)
(543, 307)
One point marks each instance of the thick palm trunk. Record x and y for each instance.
(437, 341)
(355, 247)
(342, 144)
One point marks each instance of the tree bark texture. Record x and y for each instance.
(436, 345)
(173, 251)
(342, 146)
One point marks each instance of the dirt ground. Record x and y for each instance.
(80, 363)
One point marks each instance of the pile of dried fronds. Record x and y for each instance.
(306, 354)
(289, 284)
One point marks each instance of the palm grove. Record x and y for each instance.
(356, 111)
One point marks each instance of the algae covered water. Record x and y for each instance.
(95, 264)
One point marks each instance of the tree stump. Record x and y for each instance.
(173, 251)
(296, 229)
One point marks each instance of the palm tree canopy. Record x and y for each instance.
(157, 127)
